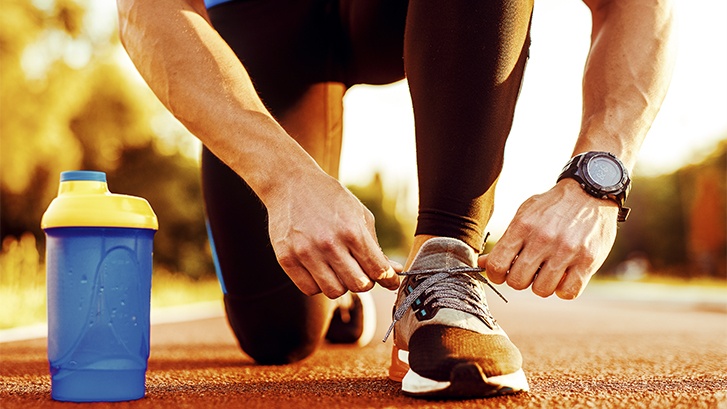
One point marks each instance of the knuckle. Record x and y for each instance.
(287, 261)
(334, 292)
(541, 291)
(349, 235)
(588, 258)
(309, 290)
(363, 286)
(301, 252)
(569, 247)
(495, 266)
(546, 237)
(326, 245)
(377, 273)
(517, 283)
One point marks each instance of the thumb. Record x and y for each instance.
(482, 260)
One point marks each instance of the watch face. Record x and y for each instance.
(604, 171)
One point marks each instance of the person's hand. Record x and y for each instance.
(324, 239)
(556, 242)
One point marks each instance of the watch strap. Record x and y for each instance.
(623, 213)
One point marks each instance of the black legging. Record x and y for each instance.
(464, 62)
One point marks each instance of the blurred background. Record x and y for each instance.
(71, 99)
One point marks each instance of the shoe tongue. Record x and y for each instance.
(444, 252)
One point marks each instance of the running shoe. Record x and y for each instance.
(446, 342)
(354, 320)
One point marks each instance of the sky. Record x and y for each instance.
(379, 130)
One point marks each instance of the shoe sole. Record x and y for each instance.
(467, 380)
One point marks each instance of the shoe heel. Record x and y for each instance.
(399, 364)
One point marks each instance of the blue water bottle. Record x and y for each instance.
(99, 263)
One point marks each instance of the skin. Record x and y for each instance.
(322, 235)
(558, 239)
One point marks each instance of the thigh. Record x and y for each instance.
(374, 47)
(287, 45)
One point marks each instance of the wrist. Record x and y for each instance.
(293, 181)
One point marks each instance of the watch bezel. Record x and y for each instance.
(592, 184)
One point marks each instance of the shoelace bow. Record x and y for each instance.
(448, 288)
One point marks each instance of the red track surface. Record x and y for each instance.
(599, 351)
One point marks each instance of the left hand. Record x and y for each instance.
(556, 242)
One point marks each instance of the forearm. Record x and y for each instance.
(200, 80)
(627, 74)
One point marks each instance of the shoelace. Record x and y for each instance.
(448, 288)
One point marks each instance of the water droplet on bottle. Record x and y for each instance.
(72, 364)
(123, 302)
(84, 279)
(100, 290)
(133, 317)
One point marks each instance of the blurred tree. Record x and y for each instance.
(678, 221)
(66, 103)
(171, 185)
(390, 231)
(63, 104)
(707, 239)
(44, 51)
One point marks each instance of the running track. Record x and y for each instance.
(618, 346)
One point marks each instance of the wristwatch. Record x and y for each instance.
(601, 175)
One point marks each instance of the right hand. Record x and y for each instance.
(325, 240)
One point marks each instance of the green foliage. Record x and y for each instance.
(67, 103)
(390, 231)
(171, 185)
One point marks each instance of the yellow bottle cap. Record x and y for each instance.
(84, 200)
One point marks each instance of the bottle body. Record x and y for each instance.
(99, 290)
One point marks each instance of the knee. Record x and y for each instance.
(280, 349)
(277, 336)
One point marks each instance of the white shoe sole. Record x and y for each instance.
(466, 380)
(465, 385)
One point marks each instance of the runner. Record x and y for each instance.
(261, 82)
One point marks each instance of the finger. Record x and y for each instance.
(498, 262)
(326, 279)
(306, 266)
(523, 270)
(350, 273)
(547, 279)
(572, 284)
(387, 279)
(398, 267)
(374, 263)
(300, 276)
